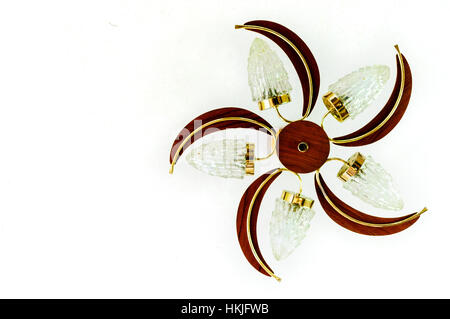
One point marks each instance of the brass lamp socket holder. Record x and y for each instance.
(352, 167)
(250, 159)
(297, 199)
(335, 105)
(275, 101)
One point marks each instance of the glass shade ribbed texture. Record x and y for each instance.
(267, 77)
(225, 158)
(288, 227)
(374, 185)
(360, 88)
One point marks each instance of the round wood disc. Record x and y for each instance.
(303, 146)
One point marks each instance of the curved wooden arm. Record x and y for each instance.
(210, 122)
(357, 221)
(247, 218)
(391, 113)
(300, 55)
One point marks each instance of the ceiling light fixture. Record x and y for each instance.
(302, 146)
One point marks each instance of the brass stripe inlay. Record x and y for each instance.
(223, 119)
(249, 214)
(255, 27)
(360, 222)
(397, 102)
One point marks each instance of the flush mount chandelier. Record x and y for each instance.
(302, 146)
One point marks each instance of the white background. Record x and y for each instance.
(92, 94)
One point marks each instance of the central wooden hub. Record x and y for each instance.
(303, 146)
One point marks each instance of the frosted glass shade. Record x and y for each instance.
(374, 185)
(288, 227)
(267, 77)
(225, 158)
(360, 88)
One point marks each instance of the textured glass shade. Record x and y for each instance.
(267, 77)
(288, 227)
(360, 88)
(374, 185)
(225, 158)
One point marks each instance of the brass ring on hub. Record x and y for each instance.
(303, 147)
